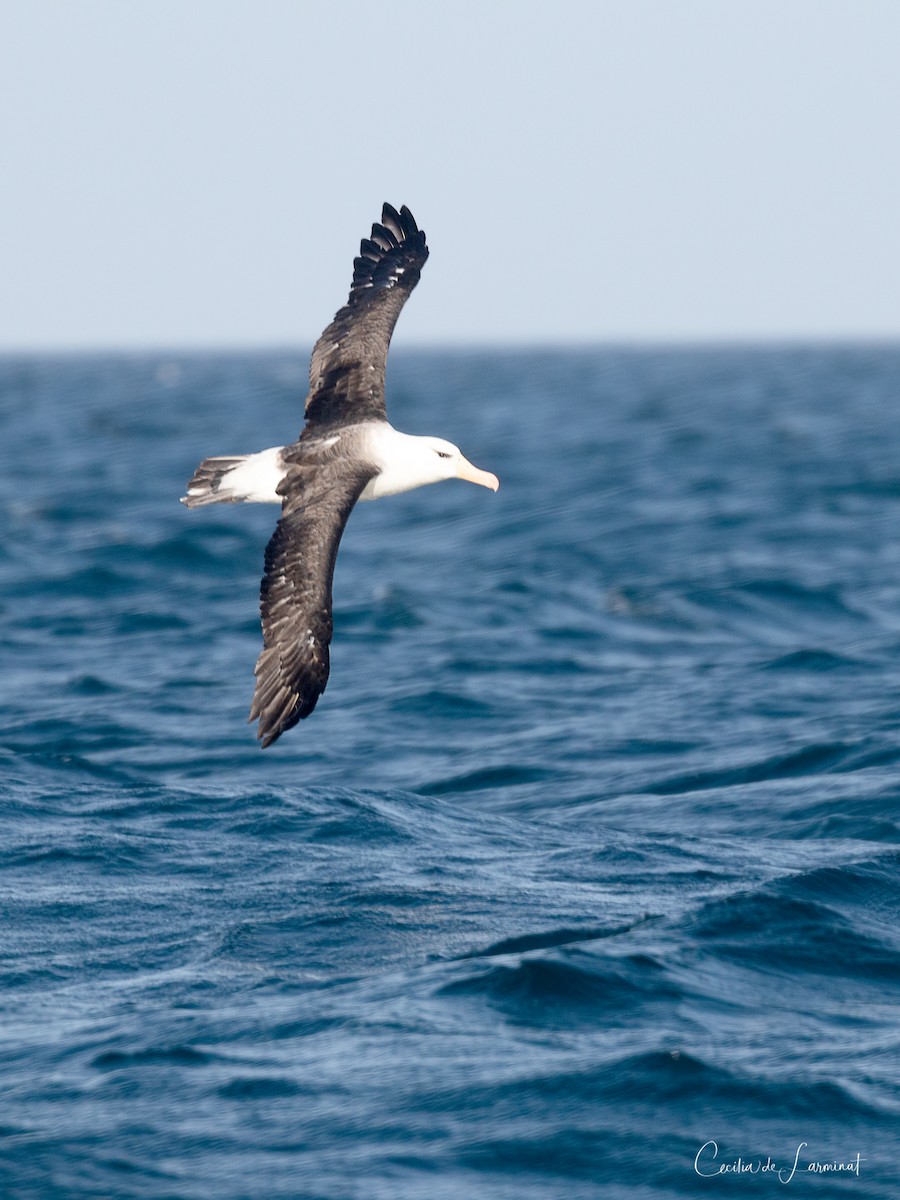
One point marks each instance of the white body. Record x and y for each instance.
(405, 462)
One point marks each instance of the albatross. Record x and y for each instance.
(347, 451)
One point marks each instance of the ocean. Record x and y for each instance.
(581, 880)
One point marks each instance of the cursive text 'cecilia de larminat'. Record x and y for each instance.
(706, 1164)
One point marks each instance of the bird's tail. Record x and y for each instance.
(253, 477)
(209, 483)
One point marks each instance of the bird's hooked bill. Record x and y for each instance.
(473, 475)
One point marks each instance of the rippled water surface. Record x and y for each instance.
(588, 858)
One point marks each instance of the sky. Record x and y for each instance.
(183, 173)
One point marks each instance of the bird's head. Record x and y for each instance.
(446, 461)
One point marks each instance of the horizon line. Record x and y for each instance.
(712, 341)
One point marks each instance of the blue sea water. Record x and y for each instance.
(587, 859)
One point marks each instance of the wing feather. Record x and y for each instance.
(347, 368)
(295, 593)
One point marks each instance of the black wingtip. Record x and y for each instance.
(391, 218)
(272, 724)
(280, 702)
(395, 242)
(401, 224)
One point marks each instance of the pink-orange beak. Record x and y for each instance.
(473, 475)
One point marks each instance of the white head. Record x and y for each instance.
(410, 462)
(447, 462)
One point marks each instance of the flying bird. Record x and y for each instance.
(347, 451)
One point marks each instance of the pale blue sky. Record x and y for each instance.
(199, 172)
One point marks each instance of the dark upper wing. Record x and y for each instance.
(346, 373)
(295, 594)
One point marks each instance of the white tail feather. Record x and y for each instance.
(249, 477)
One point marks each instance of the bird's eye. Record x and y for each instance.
(442, 454)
